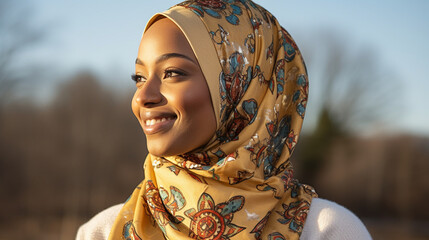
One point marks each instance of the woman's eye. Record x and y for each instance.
(172, 73)
(138, 78)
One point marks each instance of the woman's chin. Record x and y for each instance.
(161, 150)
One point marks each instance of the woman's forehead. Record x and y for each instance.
(164, 38)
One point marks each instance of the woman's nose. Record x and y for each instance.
(149, 94)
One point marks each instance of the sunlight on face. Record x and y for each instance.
(172, 101)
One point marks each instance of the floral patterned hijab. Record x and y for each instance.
(240, 185)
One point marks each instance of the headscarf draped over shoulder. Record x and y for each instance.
(240, 185)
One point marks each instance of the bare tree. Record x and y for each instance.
(17, 35)
(355, 90)
(351, 91)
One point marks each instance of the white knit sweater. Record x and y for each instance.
(325, 220)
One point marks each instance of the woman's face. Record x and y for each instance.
(172, 101)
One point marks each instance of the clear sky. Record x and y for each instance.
(103, 37)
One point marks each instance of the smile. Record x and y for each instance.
(158, 124)
(151, 122)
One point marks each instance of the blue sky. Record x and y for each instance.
(103, 37)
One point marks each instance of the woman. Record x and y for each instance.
(221, 94)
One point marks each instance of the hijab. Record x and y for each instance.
(240, 185)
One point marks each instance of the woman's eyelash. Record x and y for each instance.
(167, 74)
(137, 78)
(173, 73)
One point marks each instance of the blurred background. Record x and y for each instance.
(70, 146)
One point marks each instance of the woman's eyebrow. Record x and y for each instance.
(167, 56)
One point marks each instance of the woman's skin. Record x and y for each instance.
(172, 101)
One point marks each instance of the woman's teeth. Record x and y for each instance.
(151, 122)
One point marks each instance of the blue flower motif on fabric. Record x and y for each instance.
(251, 108)
(267, 153)
(233, 19)
(278, 133)
(219, 154)
(175, 202)
(255, 20)
(280, 76)
(301, 94)
(129, 232)
(289, 46)
(215, 8)
(233, 83)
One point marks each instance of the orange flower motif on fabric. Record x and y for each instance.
(214, 221)
(163, 206)
(294, 214)
(257, 230)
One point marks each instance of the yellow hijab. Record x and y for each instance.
(240, 185)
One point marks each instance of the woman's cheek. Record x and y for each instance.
(135, 106)
(191, 99)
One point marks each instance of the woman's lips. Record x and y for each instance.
(160, 124)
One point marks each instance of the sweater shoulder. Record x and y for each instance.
(98, 227)
(325, 220)
(329, 220)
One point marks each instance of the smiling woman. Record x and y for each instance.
(221, 95)
(172, 101)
